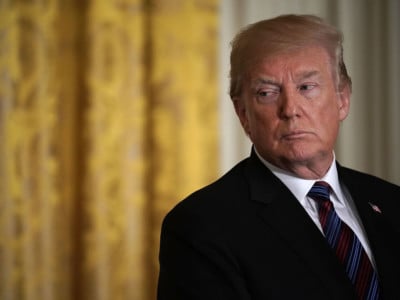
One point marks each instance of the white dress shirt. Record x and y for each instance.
(340, 197)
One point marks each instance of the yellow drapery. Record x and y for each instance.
(107, 119)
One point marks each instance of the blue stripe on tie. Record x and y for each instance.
(354, 260)
(373, 289)
(333, 229)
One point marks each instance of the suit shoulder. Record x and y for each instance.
(369, 181)
(216, 192)
(375, 190)
(209, 202)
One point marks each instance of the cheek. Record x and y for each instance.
(256, 119)
(328, 115)
(262, 125)
(328, 128)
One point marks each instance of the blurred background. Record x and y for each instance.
(112, 111)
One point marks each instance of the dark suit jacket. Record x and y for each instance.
(246, 237)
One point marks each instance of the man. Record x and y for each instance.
(289, 222)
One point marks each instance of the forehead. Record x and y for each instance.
(304, 62)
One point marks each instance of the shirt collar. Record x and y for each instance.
(300, 186)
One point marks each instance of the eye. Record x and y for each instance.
(267, 95)
(306, 87)
(264, 93)
(309, 90)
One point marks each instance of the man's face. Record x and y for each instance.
(291, 109)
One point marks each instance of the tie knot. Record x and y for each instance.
(320, 191)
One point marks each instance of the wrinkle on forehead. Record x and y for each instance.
(294, 65)
(298, 76)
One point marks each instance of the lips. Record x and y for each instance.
(297, 134)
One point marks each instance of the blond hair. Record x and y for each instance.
(282, 34)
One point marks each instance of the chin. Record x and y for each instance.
(303, 155)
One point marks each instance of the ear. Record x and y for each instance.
(344, 102)
(241, 112)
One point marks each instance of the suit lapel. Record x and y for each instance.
(383, 240)
(283, 213)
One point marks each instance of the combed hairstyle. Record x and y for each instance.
(285, 33)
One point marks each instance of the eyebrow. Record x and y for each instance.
(302, 75)
(265, 81)
(307, 74)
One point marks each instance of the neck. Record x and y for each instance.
(305, 169)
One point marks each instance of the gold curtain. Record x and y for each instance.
(107, 119)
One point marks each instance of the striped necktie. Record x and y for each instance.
(346, 245)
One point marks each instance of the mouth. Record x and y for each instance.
(294, 135)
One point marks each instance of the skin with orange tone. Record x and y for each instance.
(291, 108)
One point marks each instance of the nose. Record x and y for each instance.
(289, 104)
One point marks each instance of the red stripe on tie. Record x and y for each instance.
(345, 243)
